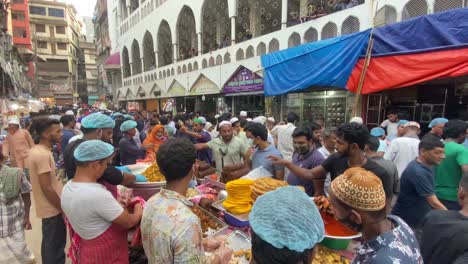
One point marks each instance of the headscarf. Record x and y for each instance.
(152, 139)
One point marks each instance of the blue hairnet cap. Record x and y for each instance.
(129, 117)
(116, 114)
(377, 132)
(92, 150)
(402, 122)
(127, 125)
(97, 120)
(437, 121)
(287, 217)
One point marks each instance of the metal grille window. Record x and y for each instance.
(165, 47)
(56, 12)
(311, 35)
(17, 15)
(219, 60)
(350, 25)
(60, 29)
(261, 49)
(273, 46)
(227, 58)
(444, 5)
(62, 46)
(414, 8)
(42, 45)
(136, 58)
(329, 30)
(294, 40)
(240, 54)
(149, 58)
(385, 16)
(250, 52)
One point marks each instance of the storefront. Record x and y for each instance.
(421, 103)
(244, 92)
(203, 97)
(173, 100)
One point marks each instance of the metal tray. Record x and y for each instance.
(223, 226)
(215, 183)
(219, 205)
(238, 240)
(148, 184)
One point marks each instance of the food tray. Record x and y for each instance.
(219, 205)
(238, 241)
(223, 226)
(148, 184)
(232, 219)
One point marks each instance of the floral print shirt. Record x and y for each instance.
(171, 232)
(398, 246)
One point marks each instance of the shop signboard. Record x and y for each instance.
(175, 90)
(204, 86)
(244, 80)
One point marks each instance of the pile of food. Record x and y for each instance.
(326, 256)
(238, 256)
(153, 174)
(191, 192)
(323, 204)
(205, 169)
(207, 224)
(264, 185)
(234, 172)
(239, 200)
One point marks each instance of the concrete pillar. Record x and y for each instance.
(199, 40)
(176, 52)
(284, 14)
(233, 30)
(143, 64)
(156, 59)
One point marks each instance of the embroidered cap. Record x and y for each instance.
(360, 189)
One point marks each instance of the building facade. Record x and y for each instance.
(91, 76)
(19, 14)
(56, 33)
(204, 55)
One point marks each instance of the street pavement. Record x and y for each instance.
(34, 236)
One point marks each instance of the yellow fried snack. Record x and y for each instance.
(153, 174)
(239, 200)
(326, 256)
(264, 185)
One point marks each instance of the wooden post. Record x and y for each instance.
(363, 75)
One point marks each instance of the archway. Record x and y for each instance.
(414, 8)
(186, 33)
(125, 63)
(385, 16)
(273, 46)
(165, 49)
(330, 30)
(294, 40)
(261, 49)
(149, 58)
(136, 58)
(311, 35)
(350, 25)
(216, 25)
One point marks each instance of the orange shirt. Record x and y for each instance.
(17, 147)
(40, 161)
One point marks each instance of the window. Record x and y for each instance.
(55, 12)
(37, 10)
(18, 1)
(17, 15)
(42, 45)
(19, 32)
(40, 28)
(62, 46)
(60, 29)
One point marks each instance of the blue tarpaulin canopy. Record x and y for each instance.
(326, 63)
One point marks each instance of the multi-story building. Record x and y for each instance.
(91, 76)
(56, 37)
(204, 55)
(20, 30)
(103, 47)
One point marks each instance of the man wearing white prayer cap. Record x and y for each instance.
(243, 115)
(227, 149)
(17, 143)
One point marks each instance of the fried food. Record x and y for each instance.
(207, 223)
(264, 185)
(326, 256)
(153, 174)
(239, 200)
(238, 255)
(323, 204)
(191, 192)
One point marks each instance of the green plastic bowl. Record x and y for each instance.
(335, 244)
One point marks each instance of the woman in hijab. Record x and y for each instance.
(157, 137)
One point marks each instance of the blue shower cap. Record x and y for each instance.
(97, 120)
(92, 150)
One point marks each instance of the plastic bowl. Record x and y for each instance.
(336, 244)
(234, 221)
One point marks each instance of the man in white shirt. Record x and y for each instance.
(391, 124)
(284, 134)
(404, 149)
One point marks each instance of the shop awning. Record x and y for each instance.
(415, 51)
(326, 63)
(112, 62)
(403, 54)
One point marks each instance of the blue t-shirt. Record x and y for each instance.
(259, 158)
(67, 134)
(416, 183)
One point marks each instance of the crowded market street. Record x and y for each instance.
(234, 132)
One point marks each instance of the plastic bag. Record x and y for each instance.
(257, 173)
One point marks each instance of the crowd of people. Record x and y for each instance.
(407, 196)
